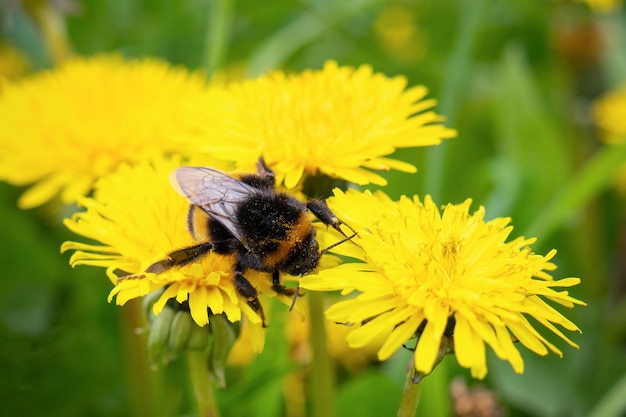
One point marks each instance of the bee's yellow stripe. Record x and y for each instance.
(199, 224)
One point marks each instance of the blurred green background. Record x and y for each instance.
(516, 78)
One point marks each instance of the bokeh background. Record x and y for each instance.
(518, 79)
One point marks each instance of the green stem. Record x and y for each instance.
(203, 384)
(411, 393)
(322, 383)
(145, 383)
(218, 34)
(455, 74)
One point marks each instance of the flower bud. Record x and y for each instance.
(159, 334)
(199, 338)
(180, 331)
(148, 301)
(224, 336)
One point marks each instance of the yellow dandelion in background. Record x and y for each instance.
(338, 121)
(608, 113)
(352, 359)
(602, 6)
(399, 35)
(442, 276)
(138, 218)
(13, 63)
(62, 129)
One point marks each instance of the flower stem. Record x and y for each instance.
(145, 383)
(50, 22)
(203, 384)
(217, 40)
(322, 382)
(411, 393)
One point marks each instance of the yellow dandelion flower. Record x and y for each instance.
(399, 34)
(138, 218)
(338, 121)
(64, 128)
(442, 276)
(609, 113)
(602, 6)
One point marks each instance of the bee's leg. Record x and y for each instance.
(278, 287)
(180, 257)
(247, 291)
(264, 179)
(281, 289)
(265, 172)
(325, 215)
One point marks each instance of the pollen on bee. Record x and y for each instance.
(296, 234)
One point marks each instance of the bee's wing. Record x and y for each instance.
(214, 191)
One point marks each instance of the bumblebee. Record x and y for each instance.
(266, 230)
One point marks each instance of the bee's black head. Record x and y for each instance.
(304, 257)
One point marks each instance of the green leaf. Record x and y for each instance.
(29, 308)
(528, 142)
(544, 389)
(456, 71)
(613, 404)
(577, 192)
(301, 30)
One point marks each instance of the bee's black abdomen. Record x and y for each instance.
(223, 241)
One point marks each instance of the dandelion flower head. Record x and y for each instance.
(63, 128)
(423, 269)
(602, 6)
(137, 218)
(609, 113)
(339, 121)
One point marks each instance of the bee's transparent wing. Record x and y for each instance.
(214, 191)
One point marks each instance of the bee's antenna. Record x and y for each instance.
(338, 228)
(345, 239)
(295, 296)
